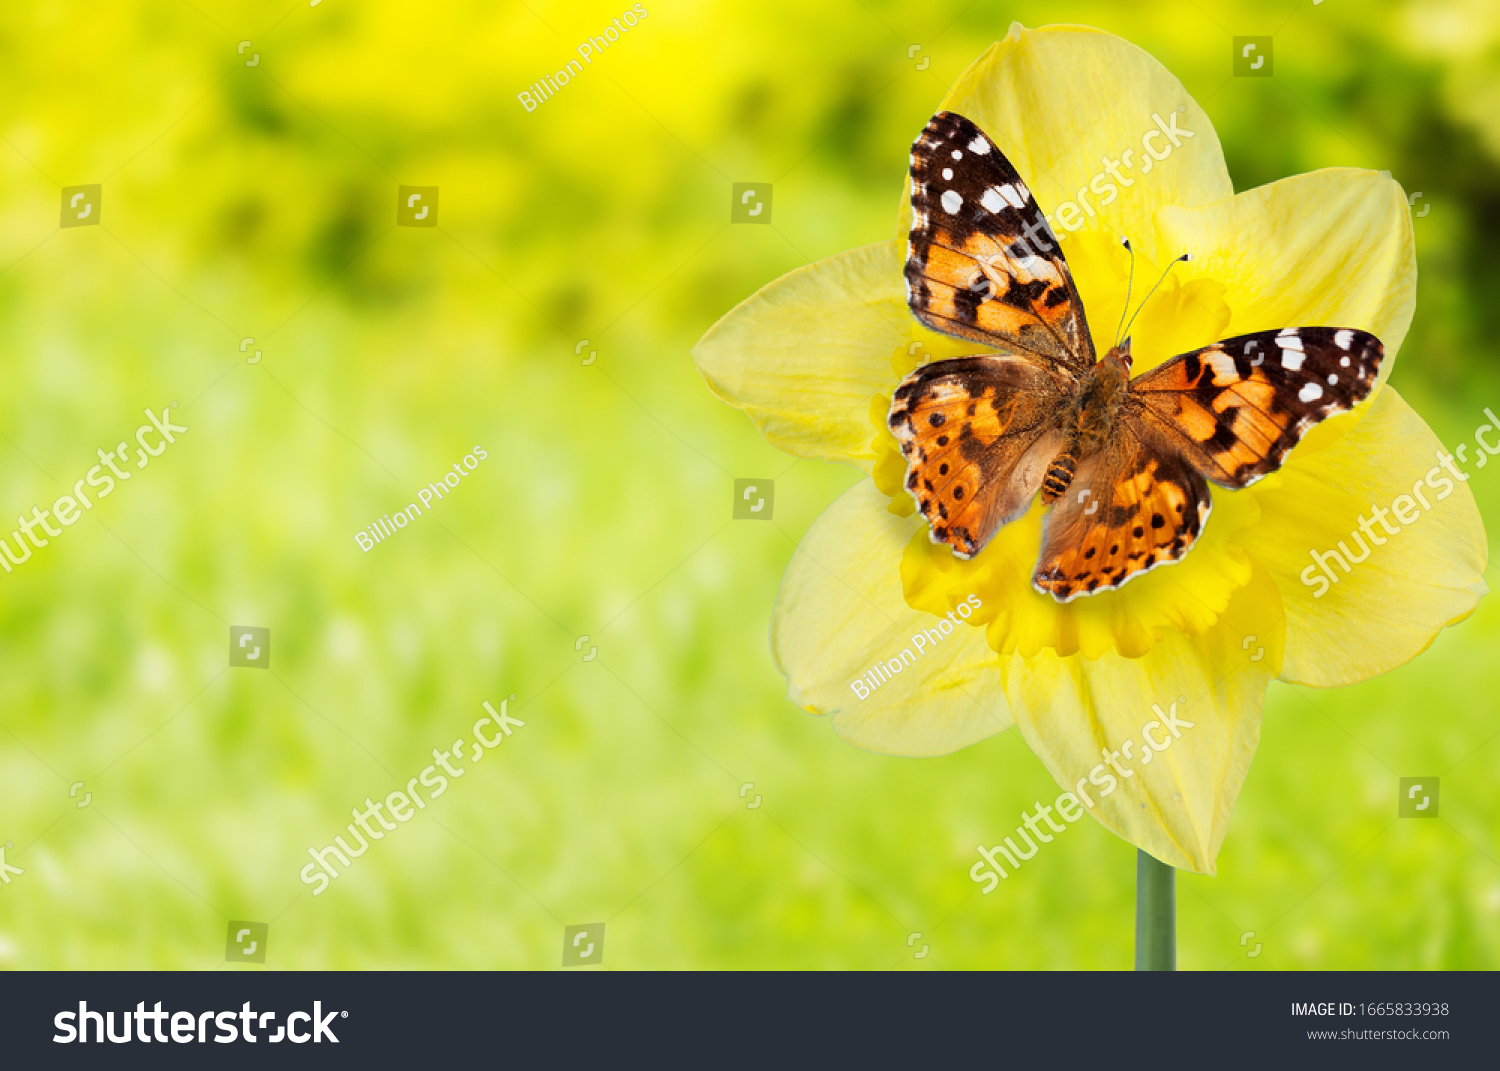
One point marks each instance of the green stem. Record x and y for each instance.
(1155, 914)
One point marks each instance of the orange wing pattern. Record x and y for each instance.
(1136, 504)
(982, 263)
(978, 434)
(1236, 408)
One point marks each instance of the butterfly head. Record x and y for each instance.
(1119, 355)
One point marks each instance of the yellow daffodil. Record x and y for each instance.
(814, 358)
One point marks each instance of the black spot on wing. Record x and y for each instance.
(1021, 295)
(966, 305)
(1224, 437)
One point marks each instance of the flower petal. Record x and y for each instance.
(1185, 597)
(1330, 248)
(805, 355)
(1063, 102)
(1182, 314)
(840, 611)
(1074, 713)
(1391, 603)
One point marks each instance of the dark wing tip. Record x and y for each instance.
(948, 126)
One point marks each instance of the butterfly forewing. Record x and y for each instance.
(1237, 407)
(977, 434)
(982, 263)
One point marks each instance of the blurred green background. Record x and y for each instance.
(260, 202)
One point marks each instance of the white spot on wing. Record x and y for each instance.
(978, 146)
(1292, 359)
(1288, 340)
(952, 202)
(1014, 196)
(992, 201)
(1223, 366)
(1310, 393)
(1343, 338)
(1343, 362)
(948, 174)
(957, 155)
(1332, 379)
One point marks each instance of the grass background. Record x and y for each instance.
(258, 202)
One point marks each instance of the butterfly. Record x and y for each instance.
(1124, 462)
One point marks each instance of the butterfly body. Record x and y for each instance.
(1091, 418)
(1124, 463)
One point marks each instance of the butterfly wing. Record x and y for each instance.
(1237, 407)
(1229, 412)
(1136, 504)
(981, 262)
(978, 434)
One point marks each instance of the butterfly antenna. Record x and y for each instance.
(1142, 305)
(1128, 283)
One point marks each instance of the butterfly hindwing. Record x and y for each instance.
(1136, 504)
(977, 434)
(1237, 407)
(982, 263)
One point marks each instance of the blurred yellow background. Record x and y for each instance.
(259, 202)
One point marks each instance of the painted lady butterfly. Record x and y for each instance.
(1126, 461)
